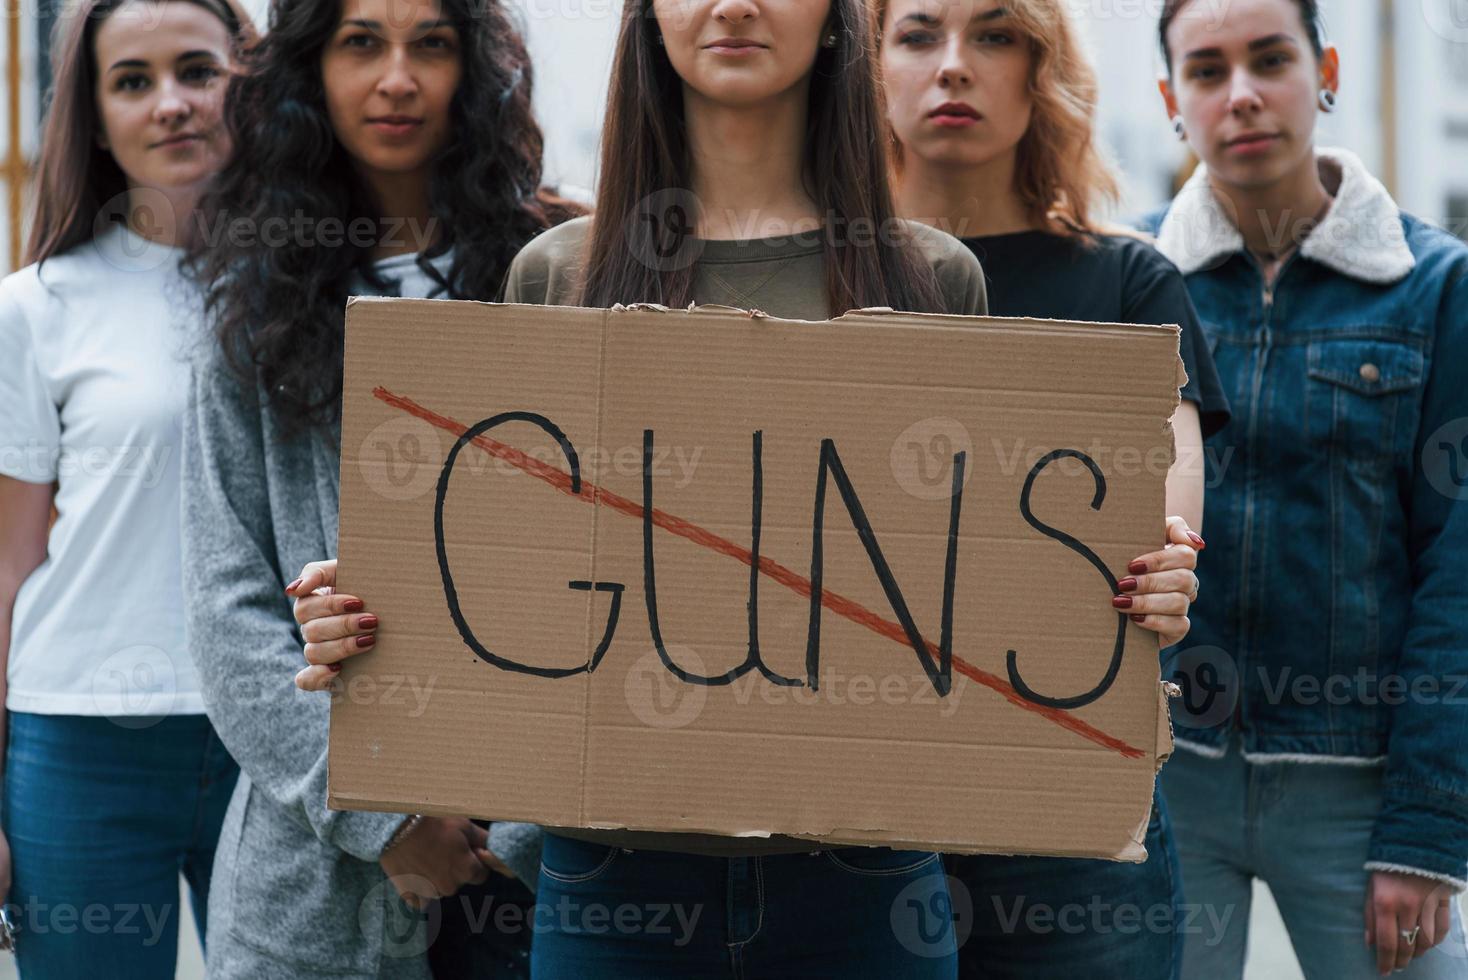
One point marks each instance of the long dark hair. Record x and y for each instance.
(279, 309)
(644, 158)
(75, 178)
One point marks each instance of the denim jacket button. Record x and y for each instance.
(1370, 373)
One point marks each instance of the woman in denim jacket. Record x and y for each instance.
(1324, 718)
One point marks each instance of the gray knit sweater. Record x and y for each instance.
(297, 889)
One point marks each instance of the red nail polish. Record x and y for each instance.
(363, 642)
(334, 668)
(1122, 601)
(1138, 618)
(1127, 585)
(367, 623)
(1137, 567)
(353, 605)
(1197, 541)
(292, 587)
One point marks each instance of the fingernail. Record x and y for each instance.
(368, 622)
(292, 587)
(1127, 585)
(1136, 618)
(353, 605)
(334, 668)
(1137, 567)
(1197, 541)
(1121, 601)
(363, 642)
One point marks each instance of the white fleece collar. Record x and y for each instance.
(1361, 235)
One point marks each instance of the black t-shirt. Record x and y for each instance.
(1106, 279)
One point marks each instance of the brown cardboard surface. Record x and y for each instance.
(507, 550)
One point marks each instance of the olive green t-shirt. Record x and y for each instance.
(784, 277)
(781, 277)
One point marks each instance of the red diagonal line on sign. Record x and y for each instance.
(839, 604)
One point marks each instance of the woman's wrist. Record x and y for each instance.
(404, 829)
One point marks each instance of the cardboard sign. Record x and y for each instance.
(710, 571)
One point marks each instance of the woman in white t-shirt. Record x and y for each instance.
(114, 779)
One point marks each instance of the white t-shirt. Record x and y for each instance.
(93, 376)
(94, 352)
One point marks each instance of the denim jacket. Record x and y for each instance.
(1333, 620)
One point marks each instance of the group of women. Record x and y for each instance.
(170, 395)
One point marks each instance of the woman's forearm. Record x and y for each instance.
(1185, 478)
(25, 524)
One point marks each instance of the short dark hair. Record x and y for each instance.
(1309, 14)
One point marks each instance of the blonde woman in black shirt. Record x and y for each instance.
(992, 107)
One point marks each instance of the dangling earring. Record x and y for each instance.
(829, 41)
(1327, 100)
(1179, 128)
(660, 39)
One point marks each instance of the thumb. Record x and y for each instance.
(1370, 916)
(489, 860)
(316, 575)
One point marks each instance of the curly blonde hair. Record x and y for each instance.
(1061, 176)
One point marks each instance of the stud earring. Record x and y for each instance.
(1327, 100)
(1178, 127)
(829, 41)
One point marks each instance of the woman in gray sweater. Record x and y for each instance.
(374, 151)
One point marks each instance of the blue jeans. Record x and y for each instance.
(614, 914)
(101, 817)
(1064, 917)
(1303, 829)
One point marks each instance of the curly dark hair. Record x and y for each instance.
(279, 309)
